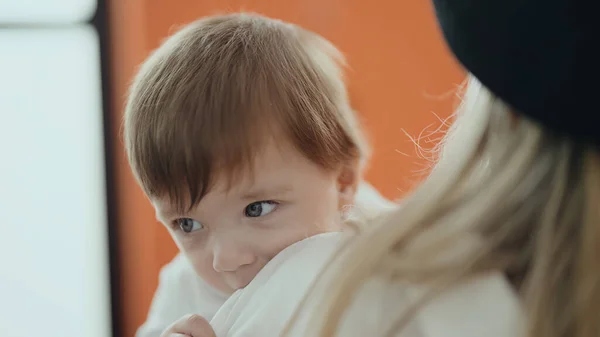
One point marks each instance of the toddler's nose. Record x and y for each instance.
(228, 256)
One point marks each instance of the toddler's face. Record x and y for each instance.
(233, 233)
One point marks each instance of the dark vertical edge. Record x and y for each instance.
(111, 124)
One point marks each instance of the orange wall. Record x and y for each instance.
(400, 71)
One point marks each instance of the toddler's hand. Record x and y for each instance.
(190, 326)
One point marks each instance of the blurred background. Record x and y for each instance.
(80, 249)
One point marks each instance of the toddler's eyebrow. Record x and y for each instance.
(266, 193)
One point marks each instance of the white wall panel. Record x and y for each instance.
(54, 279)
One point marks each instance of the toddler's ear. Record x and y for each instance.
(348, 180)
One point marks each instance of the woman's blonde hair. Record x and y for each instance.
(505, 195)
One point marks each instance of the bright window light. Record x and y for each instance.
(54, 275)
(46, 11)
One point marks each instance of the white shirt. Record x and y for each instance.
(483, 307)
(181, 291)
(265, 305)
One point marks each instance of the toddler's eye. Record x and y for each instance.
(260, 208)
(188, 225)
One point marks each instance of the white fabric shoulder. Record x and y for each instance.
(180, 291)
(483, 307)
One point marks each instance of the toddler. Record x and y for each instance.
(239, 130)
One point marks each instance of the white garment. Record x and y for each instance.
(484, 307)
(181, 291)
(265, 305)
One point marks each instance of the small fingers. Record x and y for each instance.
(190, 326)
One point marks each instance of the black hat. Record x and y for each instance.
(539, 56)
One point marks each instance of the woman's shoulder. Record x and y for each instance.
(482, 306)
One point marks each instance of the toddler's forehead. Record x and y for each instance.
(272, 164)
